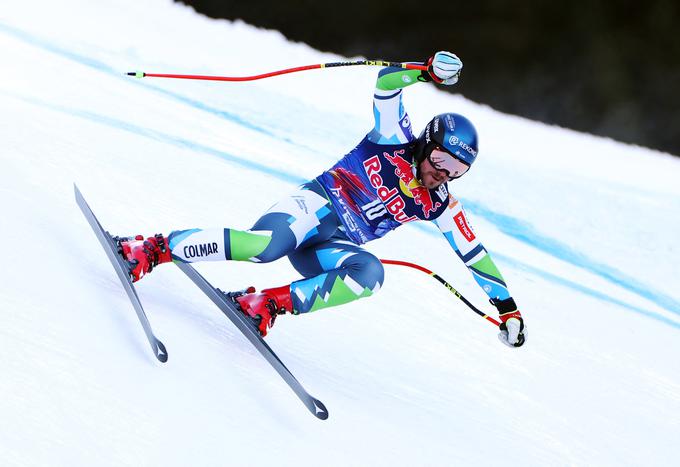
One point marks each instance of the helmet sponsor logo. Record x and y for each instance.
(455, 141)
(421, 195)
(463, 226)
(467, 148)
(406, 122)
(436, 124)
(450, 123)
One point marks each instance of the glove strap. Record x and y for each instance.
(507, 309)
(504, 306)
(515, 314)
(430, 71)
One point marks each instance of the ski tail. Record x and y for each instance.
(123, 273)
(249, 330)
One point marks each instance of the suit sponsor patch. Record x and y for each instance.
(203, 249)
(463, 226)
(452, 201)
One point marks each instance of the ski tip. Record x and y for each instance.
(80, 199)
(319, 410)
(161, 353)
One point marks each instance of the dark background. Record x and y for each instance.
(610, 68)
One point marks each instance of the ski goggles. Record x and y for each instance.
(443, 160)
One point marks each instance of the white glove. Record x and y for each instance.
(444, 68)
(513, 331)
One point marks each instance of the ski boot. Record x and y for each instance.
(265, 306)
(143, 255)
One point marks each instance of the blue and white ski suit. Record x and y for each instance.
(321, 226)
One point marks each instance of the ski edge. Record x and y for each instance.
(315, 406)
(105, 240)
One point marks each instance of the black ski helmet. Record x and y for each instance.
(451, 132)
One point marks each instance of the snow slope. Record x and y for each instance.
(583, 228)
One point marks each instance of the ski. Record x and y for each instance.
(111, 250)
(249, 330)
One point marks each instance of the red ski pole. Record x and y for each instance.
(409, 66)
(445, 284)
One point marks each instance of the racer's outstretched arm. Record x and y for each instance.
(392, 125)
(454, 225)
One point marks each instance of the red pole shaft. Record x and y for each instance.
(444, 283)
(234, 78)
(409, 66)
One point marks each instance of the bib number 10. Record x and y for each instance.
(374, 209)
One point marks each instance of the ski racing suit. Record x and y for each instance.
(321, 226)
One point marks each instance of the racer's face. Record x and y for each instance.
(430, 177)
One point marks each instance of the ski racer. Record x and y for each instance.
(389, 179)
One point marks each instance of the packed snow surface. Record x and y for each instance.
(584, 229)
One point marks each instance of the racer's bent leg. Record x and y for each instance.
(302, 218)
(336, 271)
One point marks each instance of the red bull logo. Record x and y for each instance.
(421, 195)
(393, 201)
